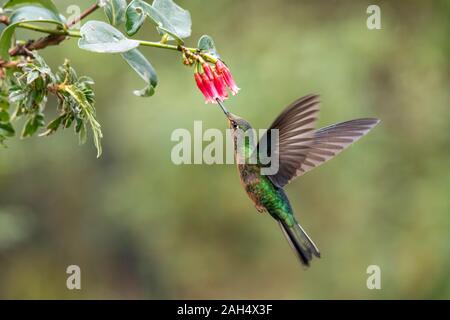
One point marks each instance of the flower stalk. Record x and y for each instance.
(212, 80)
(144, 43)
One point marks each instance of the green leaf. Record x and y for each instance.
(179, 19)
(68, 122)
(28, 14)
(136, 13)
(206, 44)
(4, 116)
(144, 69)
(98, 36)
(115, 11)
(53, 126)
(6, 130)
(89, 113)
(82, 133)
(32, 125)
(48, 4)
(168, 18)
(33, 75)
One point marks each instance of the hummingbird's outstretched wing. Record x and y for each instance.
(300, 148)
(330, 141)
(295, 127)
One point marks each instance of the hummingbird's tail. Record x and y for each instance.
(300, 242)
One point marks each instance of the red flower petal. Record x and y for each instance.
(223, 70)
(209, 86)
(202, 88)
(220, 86)
(208, 71)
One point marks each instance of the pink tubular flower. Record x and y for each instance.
(208, 71)
(209, 86)
(220, 86)
(223, 70)
(202, 88)
(214, 80)
(220, 66)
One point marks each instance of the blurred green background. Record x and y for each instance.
(141, 227)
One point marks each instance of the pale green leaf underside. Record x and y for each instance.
(164, 14)
(98, 36)
(144, 69)
(26, 14)
(48, 4)
(115, 11)
(206, 44)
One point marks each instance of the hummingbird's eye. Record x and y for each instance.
(234, 124)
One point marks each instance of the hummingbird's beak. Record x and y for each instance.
(225, 111)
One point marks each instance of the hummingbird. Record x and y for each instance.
(299, 148)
